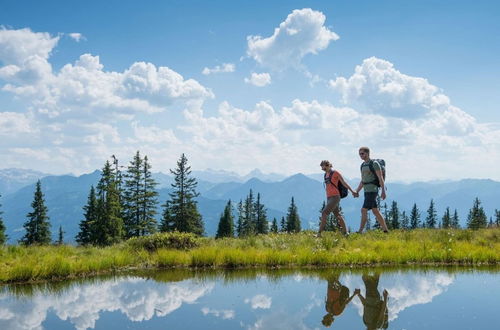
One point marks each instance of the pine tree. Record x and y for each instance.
(249, 218)
(167, 221)
(491, 224)
(414, 217)
(60, 236)
(431, 219)
(226, 223)
(405, 221)
(183, 206)
(497, 218)
(3, 236)
(274, 226)
(109, 227)
(139, 198)
(455, 222)
(87, 233)
(477, 217)
(447, 220)
(394, 222)
(283, 225)
(239, 225)
(292, 218)
(38, 225)
(262, 226)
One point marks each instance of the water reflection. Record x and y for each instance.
(254, 299)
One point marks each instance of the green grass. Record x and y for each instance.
(302, 250)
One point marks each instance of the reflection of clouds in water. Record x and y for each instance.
(260, 301)
(137, 299)
(224, 313)
(404, 291)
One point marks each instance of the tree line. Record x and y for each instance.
(124, 204)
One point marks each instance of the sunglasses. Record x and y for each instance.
(362, 153)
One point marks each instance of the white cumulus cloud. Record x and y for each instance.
(259, 79)
(259, 301)
(225, 67)
(302, 33)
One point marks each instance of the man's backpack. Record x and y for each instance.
(341, 188)
(381, 162)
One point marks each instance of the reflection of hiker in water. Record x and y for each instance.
(375, 313)
(337, 298)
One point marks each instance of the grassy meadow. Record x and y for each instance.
(301, 250)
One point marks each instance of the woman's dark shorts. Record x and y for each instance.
(370, 201)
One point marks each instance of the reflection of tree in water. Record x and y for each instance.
(375, 312)
(337, 298)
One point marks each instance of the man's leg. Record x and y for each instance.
(341, 220)
(380, 219)
(364, 217)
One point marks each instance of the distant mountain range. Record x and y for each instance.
(66, 195)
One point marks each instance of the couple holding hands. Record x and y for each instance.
(372, 178)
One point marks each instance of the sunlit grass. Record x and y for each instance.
(423, 246)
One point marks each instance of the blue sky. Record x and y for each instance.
(424, 98)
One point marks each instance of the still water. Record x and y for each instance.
(432, 298)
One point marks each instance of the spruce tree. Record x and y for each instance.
(405, 221)
(431, 219)
(292, 218)
(109, 227)
(167, 220)
(88, 230)
(477, 217)
(491, 224)
(274, 226)
(3, 236)
(38, 226)
(226, 223)
(283, 225)
(414, 217)
(239, 225)
(497, 218)
(262, 226)
(455, 222)
(394, 221)
(149, 200)
(183, 206)
(249, 216)
(369, 222)
(446, 220)
(60, 236)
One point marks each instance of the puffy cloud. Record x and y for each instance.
(225, 67)
(259, 79)
(82, 305)
(259, 301)
(76, 36)
(225, 314)
(303, 32)
(13, 123)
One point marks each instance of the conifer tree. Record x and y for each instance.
(405, 221)
(239, 225)
(249, 221)
(497, 218)
(87, 233)
(60, 236)
(431, 219)
(283, 225)
(3, 236)
(109, 227)
(274, 226)
(414, 217)
(292, 218)
(167, 221)
(394, 221)
(491, 224)
(139, 201)
(183, 206)
(455, 222)
(368, 222)
(226, 223)
(446, 220)
(477, 217)
(262, 226)
(38, 226)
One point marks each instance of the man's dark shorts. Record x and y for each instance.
(370, 201)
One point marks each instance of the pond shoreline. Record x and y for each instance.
(417, 248)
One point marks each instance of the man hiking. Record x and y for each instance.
(371, 179)
(332, 179)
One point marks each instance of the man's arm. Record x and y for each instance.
(360, 186)
(382, 183)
